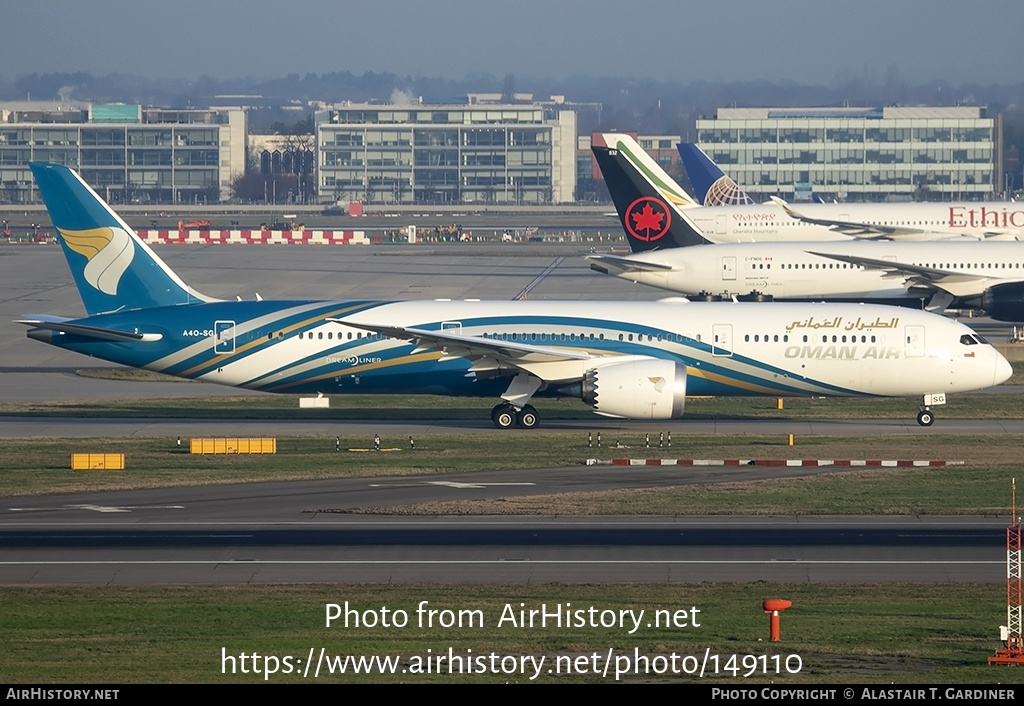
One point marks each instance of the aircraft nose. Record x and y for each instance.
(1003, 369)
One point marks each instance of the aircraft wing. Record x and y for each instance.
(959, 284)
(452, 345)
(56, 323)
(620, 264)
(854, 229)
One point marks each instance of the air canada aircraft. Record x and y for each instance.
(956, 272)
(934, 276)
(622, 159)
(625, 359)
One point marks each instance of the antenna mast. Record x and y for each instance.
(1014, 651)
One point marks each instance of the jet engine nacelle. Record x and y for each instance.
(1004, 302)
(637, 388)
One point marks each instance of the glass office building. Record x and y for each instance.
(855, 154)
(446, 153)
(127, 153)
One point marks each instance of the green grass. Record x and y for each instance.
(932, 491)
(893, 633)
(35, 466)
(128, 374)
(1018, 374)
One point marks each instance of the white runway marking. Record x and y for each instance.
(98, 508)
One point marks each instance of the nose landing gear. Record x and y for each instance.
(926, 417)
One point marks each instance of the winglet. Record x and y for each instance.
(790, 211)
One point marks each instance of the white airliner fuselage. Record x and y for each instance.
(908, 221)
(859, 271)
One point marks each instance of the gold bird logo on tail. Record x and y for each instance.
(109, 252)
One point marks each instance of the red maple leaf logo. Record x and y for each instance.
(647, 219)
(647, 223)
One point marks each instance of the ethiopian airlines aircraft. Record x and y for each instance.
(626, 359)
(621, 158)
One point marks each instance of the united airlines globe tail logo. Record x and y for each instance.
(109, 252)
(647, 219)
(726, 192)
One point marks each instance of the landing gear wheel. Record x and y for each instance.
(925, 418)
(503, 416)
(527, 417)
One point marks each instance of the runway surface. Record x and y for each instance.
(310, 531)
(298, 532)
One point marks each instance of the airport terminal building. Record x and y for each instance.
(476, 152)
(855, 154)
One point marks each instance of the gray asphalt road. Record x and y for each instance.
(309, 532)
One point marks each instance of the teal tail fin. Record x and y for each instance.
(113, 268)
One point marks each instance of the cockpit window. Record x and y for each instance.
(969, 339)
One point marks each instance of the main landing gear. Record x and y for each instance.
(505, 416)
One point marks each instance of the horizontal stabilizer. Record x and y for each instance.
(619, 263)
(53, 323)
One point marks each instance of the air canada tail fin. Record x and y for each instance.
(712, 186)
(650, 204)
(113, 268)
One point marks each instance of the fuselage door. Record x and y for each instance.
(223, 337)
(914, 338)
(721, 225)
(453, 327)
(721, 340)
(729, 268)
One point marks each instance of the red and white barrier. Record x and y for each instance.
(254, 237)
(813, 462)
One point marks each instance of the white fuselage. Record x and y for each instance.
(792, 270)
(769, 222)
(727, 348)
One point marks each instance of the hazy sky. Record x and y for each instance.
(808, 41)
